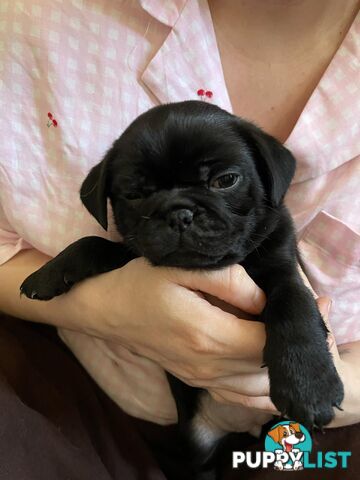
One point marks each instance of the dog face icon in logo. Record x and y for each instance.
(288, 440)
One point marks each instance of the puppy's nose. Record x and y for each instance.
(180, 218)
(299, 434)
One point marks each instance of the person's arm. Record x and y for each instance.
(61, 312)
(138, 308)
(141, 307)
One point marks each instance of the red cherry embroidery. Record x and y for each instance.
(51, 120)
(204, 93)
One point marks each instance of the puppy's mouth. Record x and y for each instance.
(189, 259)
(203, 242)
(185, 252)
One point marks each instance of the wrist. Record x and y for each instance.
(75, 310)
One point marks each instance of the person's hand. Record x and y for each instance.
(130, 324)
(347, 360)
(252, 389)
(159, 313)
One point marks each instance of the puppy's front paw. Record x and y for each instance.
(49, 281)
(304, 387)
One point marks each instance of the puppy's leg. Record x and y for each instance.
(205, 423)
(304, 383)
(84, 258)
(198, 438)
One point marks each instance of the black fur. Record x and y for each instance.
(161, 176)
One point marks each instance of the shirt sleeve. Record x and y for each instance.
(10, 242)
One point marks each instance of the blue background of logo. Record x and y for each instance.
(305, 446)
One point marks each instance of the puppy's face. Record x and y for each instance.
(185, 185)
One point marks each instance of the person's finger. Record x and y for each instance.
(237, 338)
(252, 385)
(260, 403)
(324, 305)
(231, 284)
(306, 281)
(211, 375)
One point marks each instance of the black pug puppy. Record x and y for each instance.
(195, 187)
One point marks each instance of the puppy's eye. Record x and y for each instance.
(285, 434)
(225, 181)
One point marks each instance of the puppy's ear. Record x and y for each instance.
(276, 434)
(94, 191)
(275, 164)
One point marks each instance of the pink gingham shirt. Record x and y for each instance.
(96, 66)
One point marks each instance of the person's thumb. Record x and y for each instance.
(231, 284)
(324, 304)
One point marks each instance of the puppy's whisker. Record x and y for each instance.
(254, 246)
(259, 235)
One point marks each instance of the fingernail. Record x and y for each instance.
(259, 299)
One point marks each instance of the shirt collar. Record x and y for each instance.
(165, 11)
(188, 59)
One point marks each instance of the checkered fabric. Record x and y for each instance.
(95, 66)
